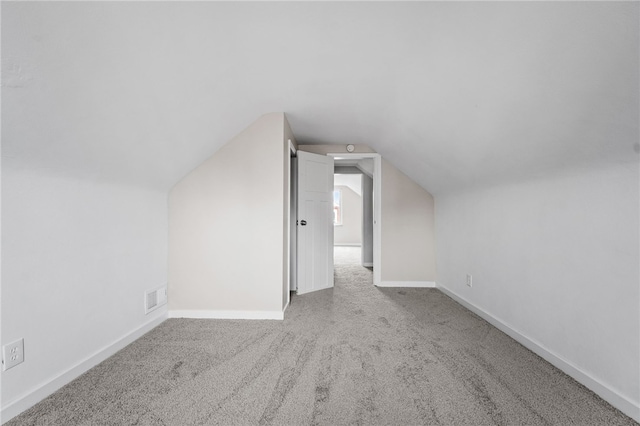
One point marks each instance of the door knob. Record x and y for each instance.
(303, 222)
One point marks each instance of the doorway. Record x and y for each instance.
(353, 213)
(353, 221)
(357, 238)
(370, 165)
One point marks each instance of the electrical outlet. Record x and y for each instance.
(12, 354)
(469, 280)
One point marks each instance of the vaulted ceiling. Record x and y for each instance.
(454, 94)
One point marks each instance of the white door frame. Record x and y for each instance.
(377, 206)
(292, 208)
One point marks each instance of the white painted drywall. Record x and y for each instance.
(227, 230)
(408, 239)
(77, 257)
(557, 260)
(349, 232)
(367, 220)
(351, 180)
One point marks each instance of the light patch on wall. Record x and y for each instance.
(354, 182)
(15, 75)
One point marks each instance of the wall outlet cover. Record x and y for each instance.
(12, 354)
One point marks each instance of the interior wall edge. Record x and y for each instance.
(619, 401)
(26, 401)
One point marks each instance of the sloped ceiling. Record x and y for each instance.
(453, 94)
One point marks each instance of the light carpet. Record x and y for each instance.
(355, 354)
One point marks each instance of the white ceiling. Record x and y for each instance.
(454, 94)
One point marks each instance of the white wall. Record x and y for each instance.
(77, 256)
(351, 179)
(84, 212)
(557, 260)
(227, 234)
(408, 239)
(349, 232)
(367, 220)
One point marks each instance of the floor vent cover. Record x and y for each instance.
(153, 299)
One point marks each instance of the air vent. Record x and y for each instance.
(155, 298)
(152, 300)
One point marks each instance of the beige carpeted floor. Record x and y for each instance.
(355, 354)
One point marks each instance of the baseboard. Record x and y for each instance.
(28, 400)
(619, 401)
(348, 245)
(422, 284)
(246, 315)
(367, 264)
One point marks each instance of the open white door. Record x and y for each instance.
(315, 222)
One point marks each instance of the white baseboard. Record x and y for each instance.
(622, 403)
(247, 315)
(422, 284)
(348, 245)
(26, 401)
(367, 264)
